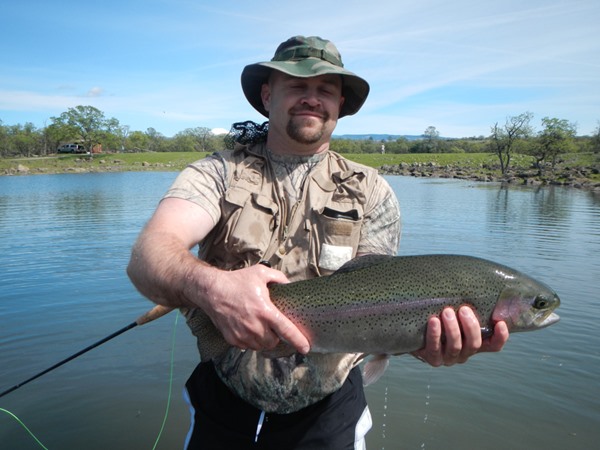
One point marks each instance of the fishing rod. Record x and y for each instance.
(149, 316)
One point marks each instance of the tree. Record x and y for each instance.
(137, 141)
(155, 140)
(400, 145)
(124, 132)
(3, 140)
(345, 146)
(556, 138)
(432, 137)
(87, 124)
(23, 139)
(198, 138)
(596, 140)
(503, 140)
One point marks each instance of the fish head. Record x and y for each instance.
(526, 305)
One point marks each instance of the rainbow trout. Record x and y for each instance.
(380, 304)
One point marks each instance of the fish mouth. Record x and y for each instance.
(550, 319)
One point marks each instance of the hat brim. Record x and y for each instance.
(354, 89)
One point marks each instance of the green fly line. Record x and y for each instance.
(24, 427)
(172, 364)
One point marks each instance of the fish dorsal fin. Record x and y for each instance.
(361, 262)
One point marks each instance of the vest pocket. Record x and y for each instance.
(334, 238)
(252, 223)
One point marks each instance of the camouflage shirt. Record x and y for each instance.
(222, 184)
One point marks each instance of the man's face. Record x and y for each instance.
(306, 108)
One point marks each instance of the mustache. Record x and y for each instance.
(307, 108)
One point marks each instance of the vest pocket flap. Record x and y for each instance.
(265, 202)
(237, 197)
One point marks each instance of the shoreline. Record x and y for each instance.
(578, 178)
(566, 176)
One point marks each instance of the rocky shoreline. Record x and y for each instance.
(576, 177)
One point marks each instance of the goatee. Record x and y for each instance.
(303, 133)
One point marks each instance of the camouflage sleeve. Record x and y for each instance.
(203, 183)
(380, 233)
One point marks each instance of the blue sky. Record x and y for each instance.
(460, 66)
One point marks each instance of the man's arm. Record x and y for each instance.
(163, 269)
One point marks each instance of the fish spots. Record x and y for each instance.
(384, 303)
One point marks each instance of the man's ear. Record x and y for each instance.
(342, 99)
(265, 95)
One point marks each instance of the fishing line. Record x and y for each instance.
(170, 382)
(169, 396)
(25, 427)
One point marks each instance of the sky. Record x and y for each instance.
(460, 66)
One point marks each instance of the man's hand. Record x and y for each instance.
(458, 346)
(238, 303)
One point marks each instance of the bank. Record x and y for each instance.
(573, 170)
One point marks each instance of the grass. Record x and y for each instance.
(111, 162)
(175, 161)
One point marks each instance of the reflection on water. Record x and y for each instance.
(64, 247)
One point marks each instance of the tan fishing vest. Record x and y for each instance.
(313, 237)
(257, 223)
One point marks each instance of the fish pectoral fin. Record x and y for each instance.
(374, 368)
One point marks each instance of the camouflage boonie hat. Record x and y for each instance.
(305, 57)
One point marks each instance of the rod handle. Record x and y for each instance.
(153, 314)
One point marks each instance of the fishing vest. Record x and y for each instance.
(310, 238)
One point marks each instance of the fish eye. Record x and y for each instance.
(541, 303)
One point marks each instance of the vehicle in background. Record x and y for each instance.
(71, 148)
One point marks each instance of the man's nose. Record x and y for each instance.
(311, 98)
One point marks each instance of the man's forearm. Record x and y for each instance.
(162, 269)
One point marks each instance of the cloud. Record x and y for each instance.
(95, 92)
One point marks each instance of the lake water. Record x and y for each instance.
(64, 245)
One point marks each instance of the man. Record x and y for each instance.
(283, 199)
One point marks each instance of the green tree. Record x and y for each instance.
(345, 146)
(86, 124)
(431, 138)
(504, 139)
(596, 140)
(183, 142)
(156, 140)
(3, 140)
(400, 145)
(369, 146)
(199, 139)
(24, 140)
(57, 133)
(137, 141)
(555, 138)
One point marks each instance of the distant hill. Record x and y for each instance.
(377, 137)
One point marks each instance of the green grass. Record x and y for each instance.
(466, 160)
(175, 161)
(114, 162)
